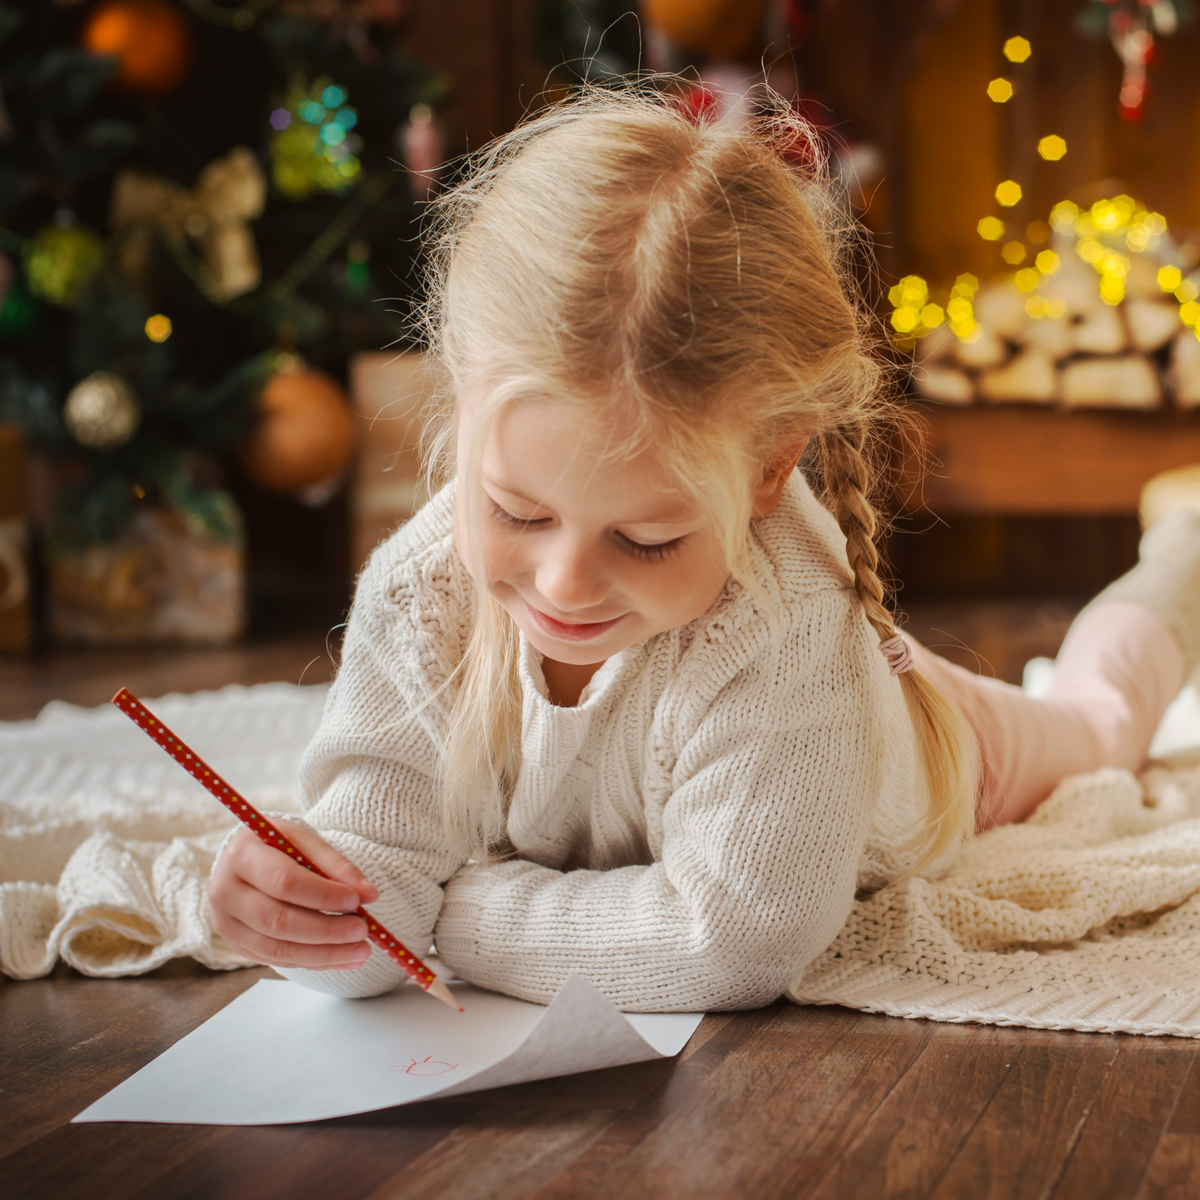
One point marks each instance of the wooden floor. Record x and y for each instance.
(780, 1102)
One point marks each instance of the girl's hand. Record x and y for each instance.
(275, 911)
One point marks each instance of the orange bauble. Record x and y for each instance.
(305, 432)
(150, 40)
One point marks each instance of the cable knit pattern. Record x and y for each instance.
(688, 836)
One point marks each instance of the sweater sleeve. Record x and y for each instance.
(367, 786)
(769, 802)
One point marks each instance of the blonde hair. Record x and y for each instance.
(686, 279)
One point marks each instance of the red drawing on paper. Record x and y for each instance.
(426, 1066)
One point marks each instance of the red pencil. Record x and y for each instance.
(245, 812)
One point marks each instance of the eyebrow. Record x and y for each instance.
(655, 520)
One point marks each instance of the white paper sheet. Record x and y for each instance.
(280, 1053)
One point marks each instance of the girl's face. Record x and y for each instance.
(589, 553)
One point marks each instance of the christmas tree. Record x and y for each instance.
(200, 206)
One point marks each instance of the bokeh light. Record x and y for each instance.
(1169, 278)
(1047, 262)
(1052, 147)
(1017, 49)
(991, 229)
(158, 327)
(1000, 90)
(1008, 193)
(1012, 253)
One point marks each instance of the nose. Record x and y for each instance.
(571, 577)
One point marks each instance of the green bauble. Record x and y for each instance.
(59, 262)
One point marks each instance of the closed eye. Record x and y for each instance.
(649, 551)
(504, 517)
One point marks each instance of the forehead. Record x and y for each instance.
(559, 452)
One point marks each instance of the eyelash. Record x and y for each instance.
(655, 552)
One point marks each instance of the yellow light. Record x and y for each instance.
(1112, 289)
(965, 285)
(1017, 49)
(932, 316)
(1000, 90)
(960, 309)
(894, 296)
(1056, 306)
(1063, 215)
(1008, 193)
(1169, 278)
(1047, 262)
(904, 320)
(991, 229)
(1035, 306)
(1189, 313)
(158, 327)
(1052, 147)
(1089, 249)
(1027, 279)
(1012, 253)
(914, 291)
(1186, 291)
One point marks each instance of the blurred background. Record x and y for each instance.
(210, 376)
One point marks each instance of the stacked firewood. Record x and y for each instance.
(1107, 318)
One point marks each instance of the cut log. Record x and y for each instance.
(1101, 333)
(1151, 324)
(987, 350)
(1029, 379)
(1125, 382)
(1185, 369)
(947, 385)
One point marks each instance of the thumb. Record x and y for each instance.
(335, 865)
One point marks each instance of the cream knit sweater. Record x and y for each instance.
(689, 836)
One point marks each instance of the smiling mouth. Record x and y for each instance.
(573, 631)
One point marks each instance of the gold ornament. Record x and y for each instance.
(101, 411)
(229, 192)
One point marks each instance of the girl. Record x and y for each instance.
(625, 698)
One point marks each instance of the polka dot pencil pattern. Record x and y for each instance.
(241, 808)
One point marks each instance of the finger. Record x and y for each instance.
(289, 923)
(335, 865)
(281, 877)
(276, 953)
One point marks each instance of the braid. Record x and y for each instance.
(946, 745)
(847, 479)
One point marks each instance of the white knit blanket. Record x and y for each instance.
(106, 844)
(1087, 916)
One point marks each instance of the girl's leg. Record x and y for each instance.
(1124, 660)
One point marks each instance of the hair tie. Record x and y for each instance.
(898, 654)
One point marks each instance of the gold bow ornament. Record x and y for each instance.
(215, 214)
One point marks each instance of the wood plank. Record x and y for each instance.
(1122, 1131)
(1017, 1149)
(1017, 460)
(69, 1039)
(912, 1137)
(1175, 1171)
(757, 1115)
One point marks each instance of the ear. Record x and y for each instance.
(770, 491)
